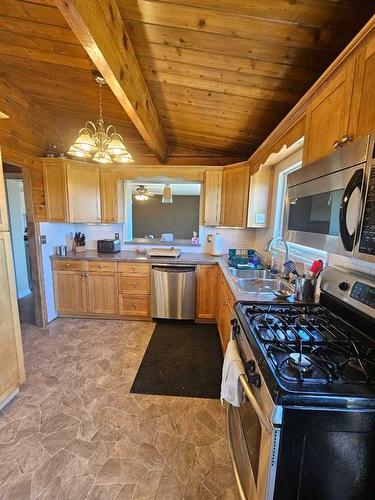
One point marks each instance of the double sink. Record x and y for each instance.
(258, 282)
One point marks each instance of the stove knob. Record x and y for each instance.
(255, 380)
(233, 322)
(250, 367)
(344, 286)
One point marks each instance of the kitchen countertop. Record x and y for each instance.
(188, 258)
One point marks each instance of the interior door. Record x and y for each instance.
(11, 356)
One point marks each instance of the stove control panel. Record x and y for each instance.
(363, 293)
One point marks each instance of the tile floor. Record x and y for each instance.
(75, 432)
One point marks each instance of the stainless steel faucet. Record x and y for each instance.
(268, 248)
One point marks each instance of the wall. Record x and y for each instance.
(180, 218)
(17, 217)
(56, 234)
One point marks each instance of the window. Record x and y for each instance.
(280, 198)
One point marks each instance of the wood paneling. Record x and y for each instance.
(100, 29)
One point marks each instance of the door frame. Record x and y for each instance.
(33, 232)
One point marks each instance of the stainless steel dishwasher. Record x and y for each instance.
(173, 291)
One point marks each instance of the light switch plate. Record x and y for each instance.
(117, 236)
(260, 218)
(43, 239)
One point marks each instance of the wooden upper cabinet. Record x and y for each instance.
(206, 292)
(3, 204)
(54, 176)
(327, 117)
(111, 197)
(83, 192)
(260, 195)
(212, 197)
(234, 196)
(362, 119)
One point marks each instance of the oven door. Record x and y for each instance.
(253, 444)
(325, 212)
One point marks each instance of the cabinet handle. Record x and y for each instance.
(133, 267)
(345, 139)
(100, 266)
(114, 219)
(134, 306)
(134, 285)
(67, 265)
(336, 144)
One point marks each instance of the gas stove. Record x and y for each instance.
(322, 350)
(310, 345)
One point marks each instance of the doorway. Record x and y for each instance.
(15, 194)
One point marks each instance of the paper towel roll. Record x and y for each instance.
(217, 245)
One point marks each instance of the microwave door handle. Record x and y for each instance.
(261, 414)
(355, 182)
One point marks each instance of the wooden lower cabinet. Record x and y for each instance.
(102, 293)
(224, 311)
(134, 305)
(70, 292)
(206, 292)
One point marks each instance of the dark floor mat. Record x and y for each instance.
(181, 359)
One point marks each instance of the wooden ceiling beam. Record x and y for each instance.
(100, 29)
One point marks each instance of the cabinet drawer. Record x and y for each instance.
(134, 284)
(70, 265)
(133, 267)
(134, 305)
(102, 266)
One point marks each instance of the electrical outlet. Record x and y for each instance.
(209, 238)
(43, 239)
(117, 236)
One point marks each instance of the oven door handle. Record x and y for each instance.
(261, 414)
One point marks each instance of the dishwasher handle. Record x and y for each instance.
(174, 269)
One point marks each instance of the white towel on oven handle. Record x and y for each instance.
(231, 388)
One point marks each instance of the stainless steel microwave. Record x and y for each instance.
(330, 204)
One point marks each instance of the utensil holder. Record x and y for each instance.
(305, 289)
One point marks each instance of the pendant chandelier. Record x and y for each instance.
(99, 143)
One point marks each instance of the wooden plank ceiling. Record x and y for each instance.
(222, 73)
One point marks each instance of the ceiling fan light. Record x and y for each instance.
(85, 142)
(102, 157)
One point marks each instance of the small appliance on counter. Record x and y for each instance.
(163, 252)
(109, 246)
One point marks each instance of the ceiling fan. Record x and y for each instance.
(142, 193)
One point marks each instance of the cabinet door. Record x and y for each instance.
(83, 192)
(54, 179)
(70, 292)
(234, 196)
(206, 291)
(363, 102)
(3, 204)
(111, 197)
(327, 117)
(102, 293)
(212, 197)
(11, 356)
